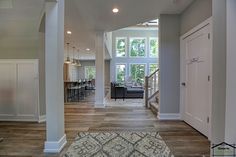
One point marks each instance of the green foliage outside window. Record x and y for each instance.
(120, 47)
(90, 72)
(137, 72)
(138, 47)
(152, 68)
(120, 73)
(153, 47)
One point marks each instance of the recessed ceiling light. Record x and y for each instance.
(69, 32)
(115, 10)
(87, 49)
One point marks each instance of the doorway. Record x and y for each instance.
(196, 77)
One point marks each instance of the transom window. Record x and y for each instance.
(137, 47)
(121, 47)
(137, 72)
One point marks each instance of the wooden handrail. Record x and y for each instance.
(153, 95)
(152, 73)
(154, 90)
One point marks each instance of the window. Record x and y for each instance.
(152, 68)
(120, 73)
(137, 72)
(90, 72)
(153, 47)
(120, 47)
(137, 47)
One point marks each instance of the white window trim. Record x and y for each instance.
(145, 38)
(149, 47)
(126, 45)
(116, 69)
(85, 74)
(145, 64)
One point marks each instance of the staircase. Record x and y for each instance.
(152, 92)
(154, 105)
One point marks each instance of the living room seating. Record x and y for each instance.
(131, 92)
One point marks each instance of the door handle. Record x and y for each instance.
(183, 84)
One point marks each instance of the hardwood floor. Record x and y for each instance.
(27, 139)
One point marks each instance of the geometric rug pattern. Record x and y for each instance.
(118, 144)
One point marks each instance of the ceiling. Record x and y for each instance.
(84, 18)
(22, 18)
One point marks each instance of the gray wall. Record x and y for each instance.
(219, 70)
(83, 64)
(92, 63)
(169, 63)
(171, 28)
(196, 13)
(127, 60)
(27, 47)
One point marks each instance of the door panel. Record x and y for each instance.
(26, 89)
(196, 110)
(7, 89)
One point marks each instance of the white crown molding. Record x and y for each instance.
(140, 28)
(169, 116)
(55, 146)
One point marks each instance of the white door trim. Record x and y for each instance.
(198, 27)
(182, 59)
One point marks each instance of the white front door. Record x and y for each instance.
(197, 79)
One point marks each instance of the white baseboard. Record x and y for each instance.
(169, 116)
(24, 118)
(99, 104)
(42, 119)
(55, 146)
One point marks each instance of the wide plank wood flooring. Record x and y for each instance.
(26, 139)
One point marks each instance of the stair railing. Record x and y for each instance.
(151, 86)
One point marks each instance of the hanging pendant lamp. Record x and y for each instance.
(68, 57)
(73, 59)
(78, 62)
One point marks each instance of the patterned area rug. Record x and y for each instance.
(122, 144)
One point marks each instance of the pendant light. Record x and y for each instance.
(78, 62)
(68, 56)
(73, 59)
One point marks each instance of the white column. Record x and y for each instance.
(99, 62)
(230, 116)
(218, 71)
(54, 58)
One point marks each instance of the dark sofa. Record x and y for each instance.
(126, 91)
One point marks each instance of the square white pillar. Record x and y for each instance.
(230, 124)
(100, 68)
(54, 59)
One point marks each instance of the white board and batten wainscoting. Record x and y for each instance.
(196, 73)
(19, 90)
